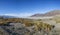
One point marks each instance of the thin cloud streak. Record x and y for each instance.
(19, 15)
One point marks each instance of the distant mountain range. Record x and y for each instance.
(51, 13)
(5, 16)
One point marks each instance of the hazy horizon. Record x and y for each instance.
(24, 8)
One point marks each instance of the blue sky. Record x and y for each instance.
(24, 8)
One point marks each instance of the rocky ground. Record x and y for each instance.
(21, 29)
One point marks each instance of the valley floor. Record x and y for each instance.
(21, 29)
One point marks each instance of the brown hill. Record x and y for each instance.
(51, 13)
(37, 15)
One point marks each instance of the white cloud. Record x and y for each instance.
(19, 15)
